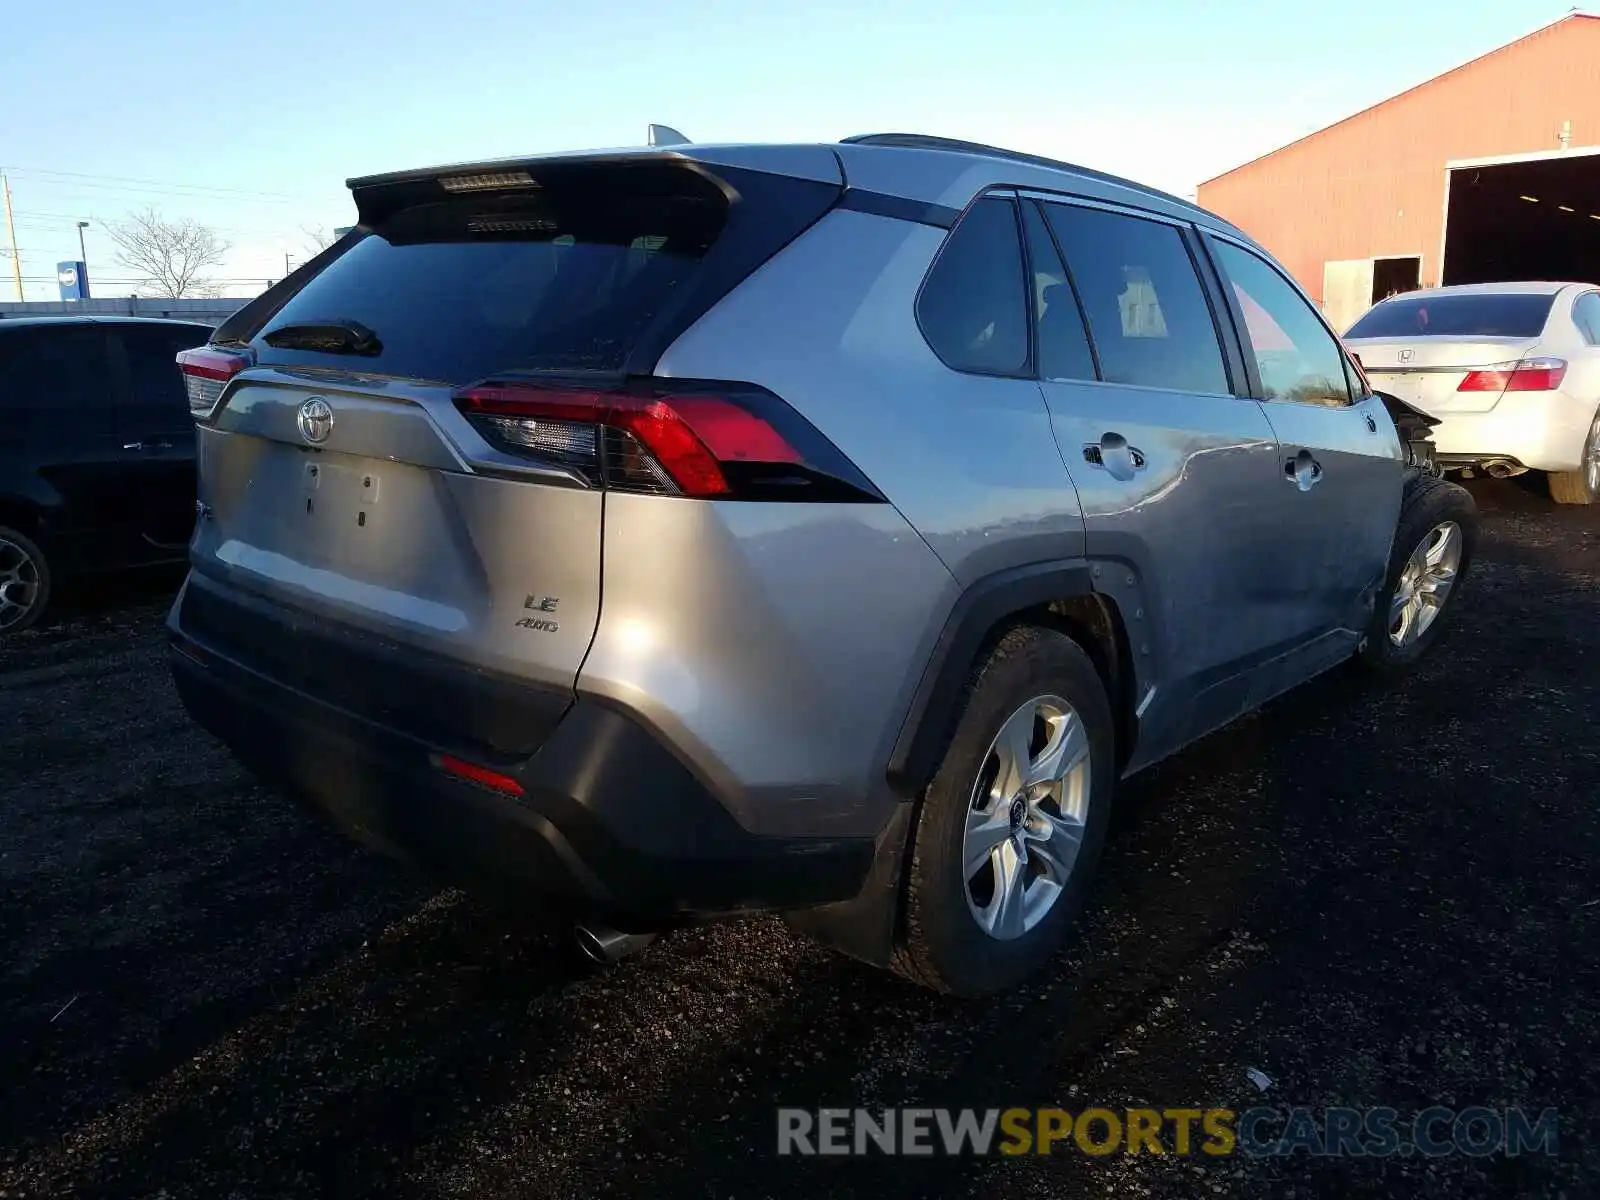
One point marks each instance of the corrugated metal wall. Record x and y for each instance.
(1373, 186)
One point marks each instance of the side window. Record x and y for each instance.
(1298, 358)
(1146, 308)
(973, 308)
(152, 365)
(1062, 340)
(1586, 315)
(62, 370)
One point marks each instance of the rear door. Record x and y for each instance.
(1422, 348)
(156, 431)
(1176, 473)
(1341, 463)
(56, 394)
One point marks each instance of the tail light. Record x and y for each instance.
(495, 781)
(205, 373)
(714, 441)
(1525, 375)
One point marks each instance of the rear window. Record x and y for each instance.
(1489, 315)
(451, 291)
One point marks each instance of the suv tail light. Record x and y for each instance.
(1525, 375)
(715, 441)
(205, 373)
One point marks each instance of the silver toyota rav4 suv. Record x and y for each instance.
(655, 535)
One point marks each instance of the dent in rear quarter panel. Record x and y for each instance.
(773, 646)
(830, 325)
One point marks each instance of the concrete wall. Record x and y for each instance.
(213, 312)
(1373, 186)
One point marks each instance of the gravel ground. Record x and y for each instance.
(1375, 897)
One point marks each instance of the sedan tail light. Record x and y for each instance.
(1525, 375)
(714, 441)
(205, 373)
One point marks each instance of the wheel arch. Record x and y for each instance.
(1057, 595)
(1053, 595)
(24, 515)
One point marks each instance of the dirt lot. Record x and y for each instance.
(1377, 898)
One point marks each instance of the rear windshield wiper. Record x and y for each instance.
(326, 337)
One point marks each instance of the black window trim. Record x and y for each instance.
(1029, 369)
(1233, 361)
(1257, 388)
(1037, 206)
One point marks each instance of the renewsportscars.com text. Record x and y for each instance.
(1254, 1132)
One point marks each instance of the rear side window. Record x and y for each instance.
(561, 278)
(153, 375)
(1489, 314)
(1063, 342)
(973, 307)
(1586, 316)
(1145, 305)
(61, 371)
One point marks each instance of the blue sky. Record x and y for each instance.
(251, 120)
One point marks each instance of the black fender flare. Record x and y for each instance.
(936, 703)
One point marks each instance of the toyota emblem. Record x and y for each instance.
(316, 419)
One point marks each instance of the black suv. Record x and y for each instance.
(96, 452)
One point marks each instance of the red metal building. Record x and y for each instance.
(1487, 172)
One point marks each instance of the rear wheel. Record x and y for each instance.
(24, 582)
(1583, 485)
(1011, 827)
(1433, 548)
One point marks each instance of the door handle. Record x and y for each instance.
(147, 445)
(1304, 471)
(133, 445)
(1114, 456)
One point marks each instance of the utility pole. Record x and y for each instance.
(11, 232)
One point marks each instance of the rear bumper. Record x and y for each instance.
(610, 824)
(1542, 430)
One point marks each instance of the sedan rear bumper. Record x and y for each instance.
(1545, 431)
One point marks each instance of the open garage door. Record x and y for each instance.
(1536, 217)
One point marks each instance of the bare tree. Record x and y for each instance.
(315, 239)
(169, 257)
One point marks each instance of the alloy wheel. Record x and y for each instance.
(1425, 583)
(19, 584)
(1025, 819)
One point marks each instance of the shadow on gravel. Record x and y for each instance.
(1376, 895)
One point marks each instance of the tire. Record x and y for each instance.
(1583, 485)
(1428, 510)
(24, 582)
(943, 945)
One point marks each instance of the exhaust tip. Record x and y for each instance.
(1502, 468)
(607, 946)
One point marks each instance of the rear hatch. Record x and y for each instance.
(1452, 353)
(353, 476)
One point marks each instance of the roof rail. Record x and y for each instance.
(923, 141)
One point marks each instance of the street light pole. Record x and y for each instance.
(83, 255)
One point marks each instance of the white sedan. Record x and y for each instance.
(1511, 369)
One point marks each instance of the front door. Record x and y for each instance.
(1342, 470)
(1177, 474)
